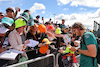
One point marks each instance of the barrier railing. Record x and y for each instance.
(34, 60)
(57, 56)
(57, 65)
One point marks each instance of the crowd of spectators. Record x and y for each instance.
(15, 33)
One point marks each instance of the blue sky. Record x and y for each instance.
(85, 11)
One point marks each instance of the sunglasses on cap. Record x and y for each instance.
(5, 25)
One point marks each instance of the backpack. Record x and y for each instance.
(98, 53)
(98, 49)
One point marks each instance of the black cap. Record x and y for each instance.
(37, 16)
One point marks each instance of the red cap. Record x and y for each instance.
(50, 27)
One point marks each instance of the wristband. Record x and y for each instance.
(78, 50)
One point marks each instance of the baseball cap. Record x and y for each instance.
(30, 21)
(19, 23)
(58, 31)
(9, 8)
(42, 28)
(37, 16)
(3, 29)
(44, 49)
(8, 21)
(25, 16)
(50, 27)
(46, 41)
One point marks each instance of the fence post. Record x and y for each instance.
(57, 65)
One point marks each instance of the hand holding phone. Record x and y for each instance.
(17, 9)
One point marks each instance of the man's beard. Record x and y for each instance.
(78, 33)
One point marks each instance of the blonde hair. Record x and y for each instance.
(31, 30)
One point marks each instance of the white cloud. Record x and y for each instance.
(87, 19)
(58, 3)
(37, 6)
(43, 12)
(73, 17)
(89, 3)
(61, 16)
(63, 1)
(95, 15)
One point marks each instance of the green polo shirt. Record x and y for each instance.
(87, 61)
(62, 26)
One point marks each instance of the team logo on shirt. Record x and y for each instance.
(87, 35)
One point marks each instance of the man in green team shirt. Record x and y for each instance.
(88, 45)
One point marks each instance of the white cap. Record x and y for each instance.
(3, 29)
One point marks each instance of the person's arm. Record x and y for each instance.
(15, 14)
(62, 43)
(2, 49)
(91, 50)
(17, 10)
(52, 48)
(58, 35)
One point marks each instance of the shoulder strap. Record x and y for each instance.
(82, 41)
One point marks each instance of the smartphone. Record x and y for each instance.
(17, 9)
(42, 18)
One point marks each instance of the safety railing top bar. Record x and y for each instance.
(33, 60)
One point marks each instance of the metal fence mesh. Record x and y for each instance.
(96, 29)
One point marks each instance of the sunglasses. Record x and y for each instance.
(2, 15)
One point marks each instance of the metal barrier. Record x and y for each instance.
(57, 65)
(34, 60)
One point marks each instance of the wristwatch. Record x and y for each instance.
(78, 50)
